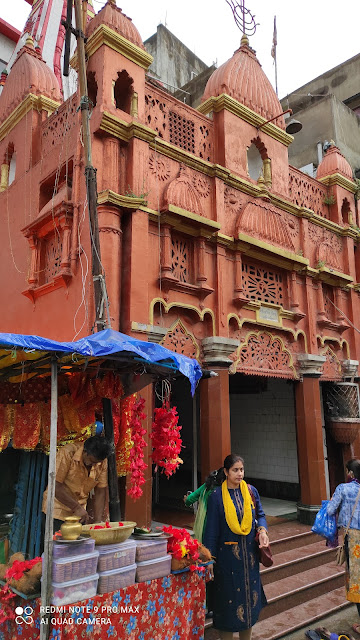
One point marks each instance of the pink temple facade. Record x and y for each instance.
(211, 244)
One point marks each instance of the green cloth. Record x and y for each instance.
(201, 495)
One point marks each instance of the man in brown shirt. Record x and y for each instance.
(80, 467)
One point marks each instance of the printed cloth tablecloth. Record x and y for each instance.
(170, 608)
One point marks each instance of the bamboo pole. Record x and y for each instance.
(48, 546)
(114, 502)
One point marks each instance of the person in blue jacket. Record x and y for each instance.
(234, 515)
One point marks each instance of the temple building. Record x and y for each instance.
(212, 244)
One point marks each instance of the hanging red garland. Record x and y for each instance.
(137, 464)
(166, 440)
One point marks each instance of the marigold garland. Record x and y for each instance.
(137, 464)
(166, 440)
(182, 545)
(15, 572)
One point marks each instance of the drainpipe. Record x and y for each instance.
(319, 152)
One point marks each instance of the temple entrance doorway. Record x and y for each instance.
(263, 432)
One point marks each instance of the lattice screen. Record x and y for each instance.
(52, 251)
(262, 284)
(182, 132)
(342, 400)
(181, 250)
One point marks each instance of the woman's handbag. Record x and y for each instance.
(265, 555)
(340, 555)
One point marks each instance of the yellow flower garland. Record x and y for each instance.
(244, 527)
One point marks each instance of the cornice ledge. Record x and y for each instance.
(281, 254)
(104, 35)
(40, 103)
(332, 276)
(241, 111)
(126, 130)
(172, 213)
(124, 202)
(339, 180)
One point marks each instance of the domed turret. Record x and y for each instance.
(334, 162)
(111, 16)
(243, 79)
(29, 74)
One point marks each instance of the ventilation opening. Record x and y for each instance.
(123, 90)
(92, 87)
(255, 163)
(346, 212)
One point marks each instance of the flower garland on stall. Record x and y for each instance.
(184, 549)
(166, 439)
(19, 571)
(137, 464)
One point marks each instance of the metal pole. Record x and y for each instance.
(100, 293)
(48, 545)
(114, 502)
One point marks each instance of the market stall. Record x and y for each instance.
(23, 358)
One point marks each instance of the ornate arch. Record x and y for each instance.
(167, 306)
(332, 365)
(263, 353)
(179, 339)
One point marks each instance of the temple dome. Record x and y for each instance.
(111, 16)
(334, 162)
(243, 79)
(29, 74)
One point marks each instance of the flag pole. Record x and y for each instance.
(273, 53)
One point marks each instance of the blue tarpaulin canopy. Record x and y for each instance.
(15, 349)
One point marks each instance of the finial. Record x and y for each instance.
(244, 40)
(113, 2)
(244, 20)
(29, 42)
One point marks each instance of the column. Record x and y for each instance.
(111, 257)
(310, 439)
(215, 438)
(140, 510)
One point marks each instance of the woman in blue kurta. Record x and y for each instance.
(234, 514)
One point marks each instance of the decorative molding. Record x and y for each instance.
(182, 194)
(350, 368)
(264, 354)
(121, 201)
(155, 333)
(167, 306)
(265, 222)
(180, 340)
(159, 166)
(334, 277)
(183, 220)
(340, 181)
(275, 255)
(332, 365)
(253, 321)
(310, 364)
(216, 104)
(103, 35)
(217, 350)
(38, 103)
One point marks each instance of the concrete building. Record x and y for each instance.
(8, 39)
(329, 109)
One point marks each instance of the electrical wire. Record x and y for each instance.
(343, 314)
(84, 275)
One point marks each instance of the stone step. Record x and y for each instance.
(299, 588)
(303, 615)
(297, 560)
(298, 617)
(293, 541)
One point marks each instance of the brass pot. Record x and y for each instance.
(71, 529)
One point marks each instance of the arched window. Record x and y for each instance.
(123, 90)
(346, 212)
(92, 87)
(254, 162)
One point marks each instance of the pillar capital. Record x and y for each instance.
(218, 349)
(350, 368)
(310, 364)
